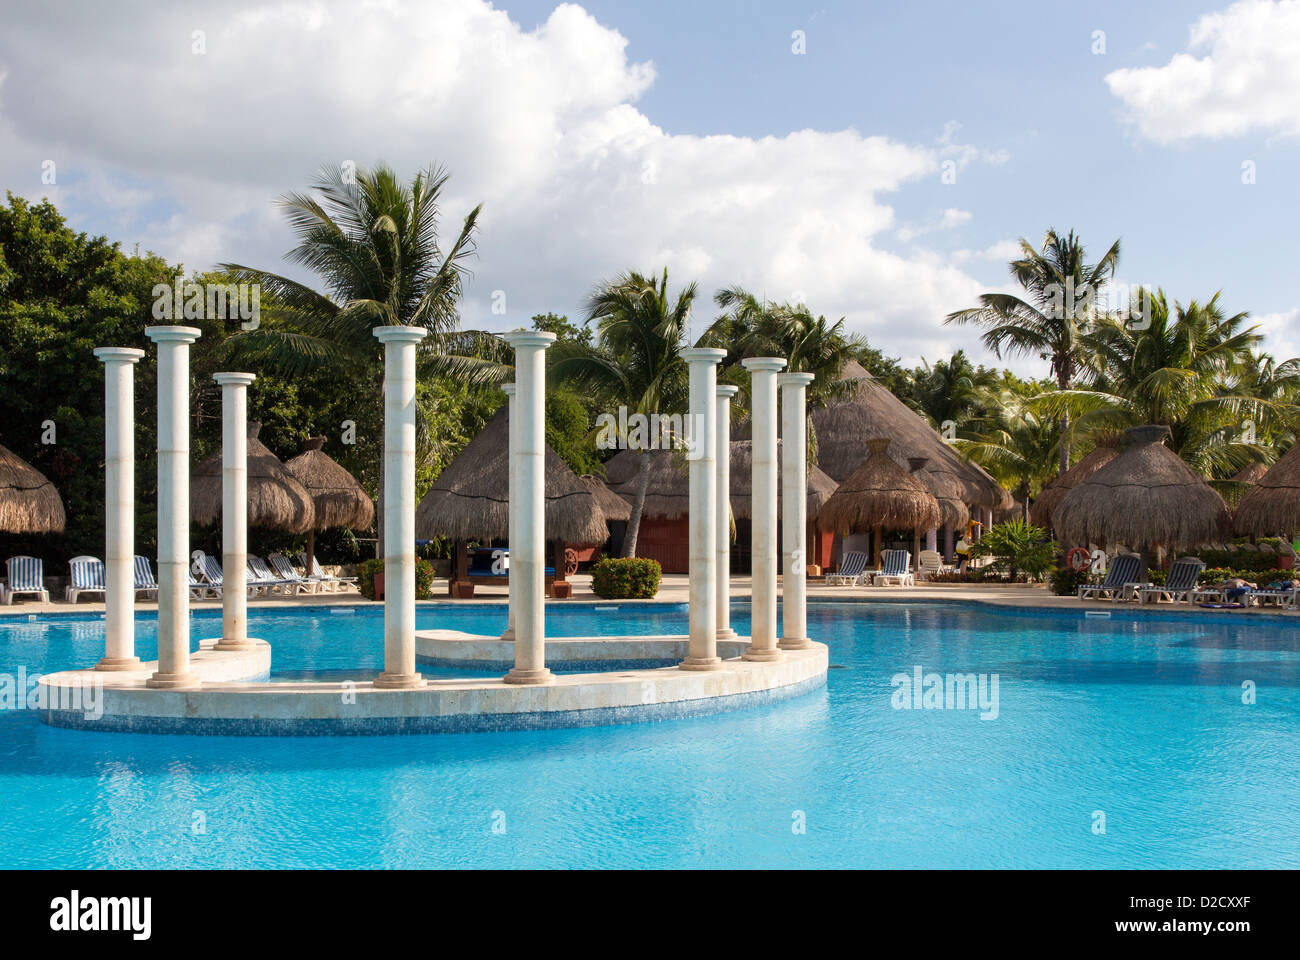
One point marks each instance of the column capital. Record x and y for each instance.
(510, 389)
(529, 338)
(400, 334)
(709, 355)
(119, 354)
(795, 379)
(726, 391)
(173, 334)
(763, 364)
(234, 379)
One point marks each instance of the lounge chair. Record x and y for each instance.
(850, 572)
(261, 577)
(895, 569)
(144, 579)
(1178, 586)
(287, 574)
(1285, 598)
(87, 576)
(200, 590)
(1120, 583)
(931, 562)
(211, 577)
(26, 575)
(326, 581)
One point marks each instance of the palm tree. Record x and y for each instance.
(1182, 368)
(373, 241)
(1012, 441)
(635, 361)
(952, 390)
(1061, 290)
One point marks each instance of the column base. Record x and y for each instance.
(802, 643)
(399, 681)
(700, 663)
(762, 655)
(725, 633)
(173, 681)
(234, 645)
(526, 677)
(509, 635)
(118, 663)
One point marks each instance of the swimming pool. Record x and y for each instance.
(1135, 718)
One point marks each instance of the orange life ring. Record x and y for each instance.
(1079, 559)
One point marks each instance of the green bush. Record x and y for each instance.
(367, 569)
(1216, 574)
(1066, 581)
(625, 578)
(1016, 547)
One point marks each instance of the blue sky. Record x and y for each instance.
(549, 116)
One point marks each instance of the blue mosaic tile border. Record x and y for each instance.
(385, 726)
(556, 666)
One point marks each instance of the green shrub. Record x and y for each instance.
(1066, 581)
(1016, 547)
(367, 569)
(625, 578)
(1215, 574)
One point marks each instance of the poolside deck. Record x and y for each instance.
(674, 588)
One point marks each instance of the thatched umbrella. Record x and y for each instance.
(614, 507)
(880, 494)
(338, 499)
(1272, 506)
(471, 498)
(820, 486)
(1050, 497)
(276, 501)
(28, 502)
(1147, 497)
(843, 429)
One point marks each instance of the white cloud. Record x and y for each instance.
(1241, 73)
(183, 152)
(1281, 332)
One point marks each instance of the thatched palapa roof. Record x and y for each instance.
(471, 498)
(668, 491)
(615, 508)
(880, 493)
(28, 501)
(338, 499)
(1272, 506)
(1147, 497)
(276, 501)
(1050, 497)
(844, 428)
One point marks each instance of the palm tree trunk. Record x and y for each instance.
(638, 506)
(1063, 383)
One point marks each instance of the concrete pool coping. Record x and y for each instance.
(229, 701)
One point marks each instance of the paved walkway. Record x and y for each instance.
(674, 588)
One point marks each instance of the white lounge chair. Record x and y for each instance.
(931, 562)
(1178, 586)
(211, 577)
(895, 569)
(26, 575)
(261, 577)
(326, 581)
(144, 579)
(284, 569)
(852, 564)
(1120, 583)
(86, 576)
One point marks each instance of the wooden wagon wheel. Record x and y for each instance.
(570, 561)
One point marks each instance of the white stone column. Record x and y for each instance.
(399, 505)
(794, 511)
(988, 520)
(723, 468)
(119, 507)
(762, 399)
(512, 523)
(234, 507)
(702, 454)
(528, 548)
(174, 506)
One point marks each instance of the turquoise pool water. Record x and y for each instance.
(1141, 719)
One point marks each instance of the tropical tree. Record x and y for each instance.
(951, 391)
(1060, 303)
(373, 241)
(1011, 440)
(1180, 367)
(635, 361)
